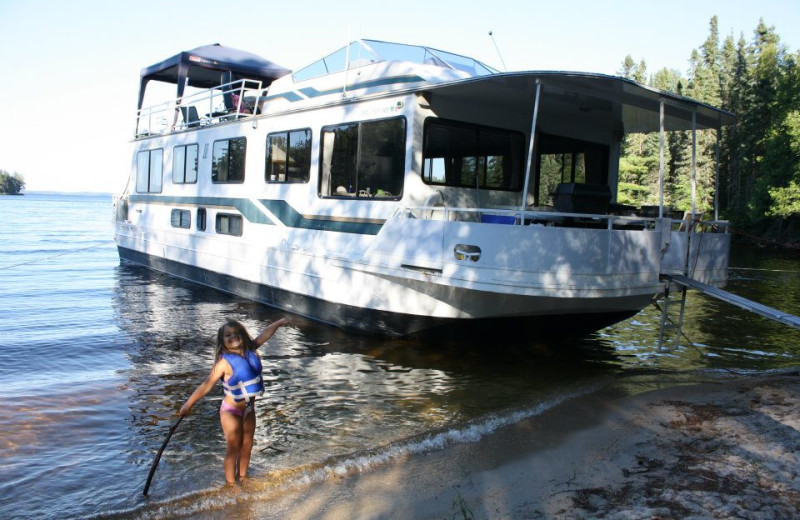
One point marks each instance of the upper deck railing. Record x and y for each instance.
(228, 102)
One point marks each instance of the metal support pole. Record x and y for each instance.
(530, 165)
(716, 176)
(694, 165)
(661, 159)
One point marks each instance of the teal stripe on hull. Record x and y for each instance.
(312, 92)
(291, 218)
(248, 210)
(282, 210)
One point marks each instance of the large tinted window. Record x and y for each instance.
(288, 156)
(466, 155)
(149, 170)
(228, 160)
(364, 159)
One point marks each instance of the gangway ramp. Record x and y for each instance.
(739, 301)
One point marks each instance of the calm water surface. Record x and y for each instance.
(97, 357)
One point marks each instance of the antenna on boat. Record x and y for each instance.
(347, 51)
(505, 69)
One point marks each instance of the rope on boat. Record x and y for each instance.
(69, 252)
(759, 240)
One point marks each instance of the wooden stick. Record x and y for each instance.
(158, 455)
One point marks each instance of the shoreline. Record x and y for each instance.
(722, 449)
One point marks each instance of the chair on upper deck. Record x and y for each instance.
(190, 117)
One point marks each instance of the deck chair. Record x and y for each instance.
(687, 224)
(190, 117)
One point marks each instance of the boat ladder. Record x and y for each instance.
(672, 308)
(670, 325)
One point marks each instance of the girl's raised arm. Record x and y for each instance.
(270, 330)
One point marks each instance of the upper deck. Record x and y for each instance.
(363, 68)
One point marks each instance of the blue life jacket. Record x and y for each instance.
(245, 382)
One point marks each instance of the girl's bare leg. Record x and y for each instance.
(232, 428)
(248, 432)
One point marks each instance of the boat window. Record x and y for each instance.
(201, 219)
(228, 224)
(181, 218)
(467, 155)
(149, 169)
(184, 164)
(364, 159)
(562, 160)
(289, 156)
(228, 160)
(364, 52)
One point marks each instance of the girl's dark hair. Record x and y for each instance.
(249, 343)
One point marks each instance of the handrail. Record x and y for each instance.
(532, 217)
(163, 118)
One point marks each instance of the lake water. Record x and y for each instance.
(97, 357)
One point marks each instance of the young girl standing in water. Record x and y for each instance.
(238, 365)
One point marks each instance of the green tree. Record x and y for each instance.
(782, 147)
(759, 171)
(11, 183)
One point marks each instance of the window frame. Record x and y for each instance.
(201, 219)
(184, 218)
(325, 179)
(214, 167)
(150, 177)
(231, 217)
(287, 179)
(175, 170)
(515, 179)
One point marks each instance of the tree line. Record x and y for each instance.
(759, 169)
(11, 183)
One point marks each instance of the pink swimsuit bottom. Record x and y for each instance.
(241, 412)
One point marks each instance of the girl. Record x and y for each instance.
(237, 364)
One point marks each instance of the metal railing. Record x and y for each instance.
(556, 219)
(227, 102)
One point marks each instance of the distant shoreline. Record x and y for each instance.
(70, 193)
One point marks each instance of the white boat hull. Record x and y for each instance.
(392, 285)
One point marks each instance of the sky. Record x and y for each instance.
(69, 70)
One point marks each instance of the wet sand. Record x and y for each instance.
(727, 449)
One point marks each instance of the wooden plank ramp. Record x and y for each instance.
(739, 301)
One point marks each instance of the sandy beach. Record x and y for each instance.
(723, 449)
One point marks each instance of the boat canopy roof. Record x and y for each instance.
(633, 107)
(365, 52)
(636, 107)
(209, 66)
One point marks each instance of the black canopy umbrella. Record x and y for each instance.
(209, 66)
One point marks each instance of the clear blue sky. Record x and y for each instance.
(70, 69)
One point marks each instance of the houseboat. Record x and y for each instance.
(396, 189)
